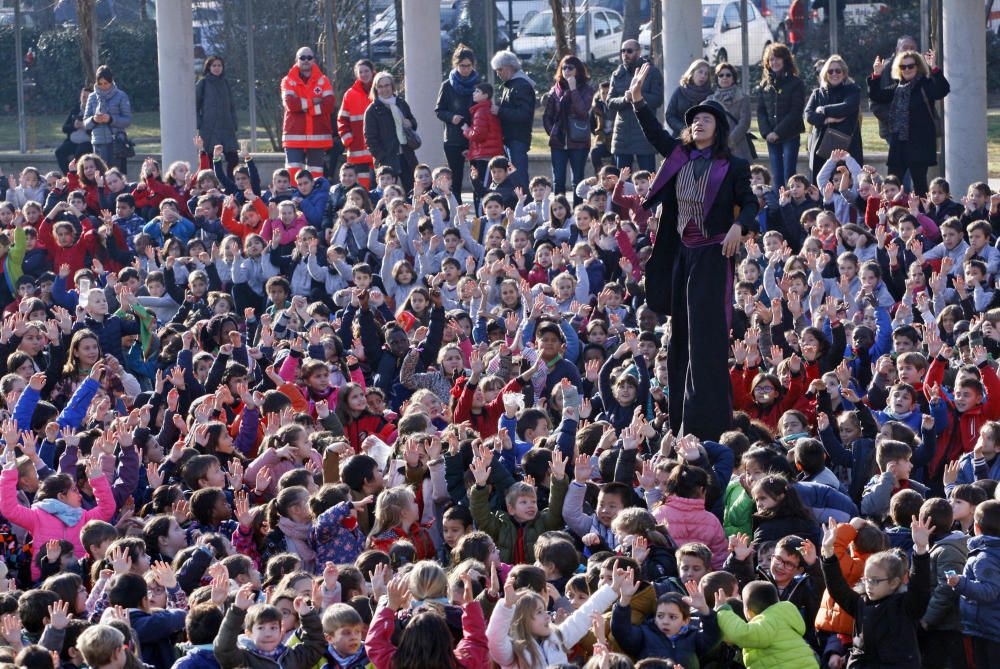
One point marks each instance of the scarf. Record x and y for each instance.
(297, 538)
(463, 85)
(792, 438)
(727, 97)
(246, 643)
(695, 94)
(899, 118)
(397, 118)
(901, 417)
(69, 515)
(105, 96)
(342, 661)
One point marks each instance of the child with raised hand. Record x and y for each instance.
(522, 636)
(979, 586)
(261, 644)
(885, 618)
(426, 640)
(670, 632)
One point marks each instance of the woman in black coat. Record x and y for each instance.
(780, 102)
(386, 121)
(912, 118)
(834, 105)
(216, 111)
(453, 103)
(692, 263)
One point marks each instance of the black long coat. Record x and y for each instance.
(842, 101)
(920, 150)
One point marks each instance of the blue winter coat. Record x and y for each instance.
(155, 631)
(314, 204)
(980, 589)
(110, 332)
(968, 473)
(72, 416)
(117, 106)
(646, 640)
(198, 657)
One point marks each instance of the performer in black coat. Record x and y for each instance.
(708, 208)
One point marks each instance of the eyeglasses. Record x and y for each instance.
(765, 389)
(305, 57)
(835, 70)
(907, 66)
(724, 75)
(628, 50)
(787, 564)
(568, 67)
(872, 581)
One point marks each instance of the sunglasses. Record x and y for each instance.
(568, 67)
(835, 70)
(305, 57)
(724, 75)
(907, 66)
(628, 50)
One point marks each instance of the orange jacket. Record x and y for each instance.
(830, 617)
(308, 106)
(351, 123)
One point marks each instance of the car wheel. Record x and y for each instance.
(721, 57)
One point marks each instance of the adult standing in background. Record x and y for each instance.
(108, 114)
(912, 117)
(567, 122)
(77, 142)
(729, 94)
(834, 106)
(351, 122)
(695, 86)
(308, 98)
(780, 102)
(628, 142)
(216, 111)
(516, 111)
(453, 103)
(387, 119)
(880, 110)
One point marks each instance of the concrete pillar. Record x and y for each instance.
(175, 54)
(964, 63)
(681, 40)
(422, 61)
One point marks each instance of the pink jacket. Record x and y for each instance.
(470, 653)
(289, 372)
(43, 525)
(286, 235)
(688, 522)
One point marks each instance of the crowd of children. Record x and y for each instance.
(311, 425)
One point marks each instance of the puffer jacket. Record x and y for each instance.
(44, 526)
(948, 553)
(832, 618)
(235, 650)
(780, 105)
(646, 640)
(484, 133)
(117, 106)
(690, 522)
(980, 589)
(771, 639)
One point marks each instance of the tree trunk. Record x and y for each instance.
(559, 26)
(631, 19)
(399, 29)
(656, 35)
(86, 20)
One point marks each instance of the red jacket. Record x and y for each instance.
(365, 425)
(351, 123)
(485, 422)
(308, 106)
(92, 193)
(962, 431)
(484, 134)
(418, 536)
(150, 192)
(75, 256)
(241, 229)
(743, 400)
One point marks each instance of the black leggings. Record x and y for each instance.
(456, 163)
(918, 173)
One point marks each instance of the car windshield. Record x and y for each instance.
(540, 25)
(708, 14)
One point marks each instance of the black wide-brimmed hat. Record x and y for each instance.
(713, 108)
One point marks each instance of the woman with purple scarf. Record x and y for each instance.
(708, 207)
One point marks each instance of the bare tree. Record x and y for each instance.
(656, 35)
(559, 26)
(399, 29)
(631, 28)
(86, 19)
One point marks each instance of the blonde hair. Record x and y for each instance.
(389, 509)
(562, 276)
(375, 80)
(98, 645)
(427, 581)
(838, 59)
(922, 68)
(524, 644)
(694, 67)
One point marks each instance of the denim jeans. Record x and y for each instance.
(517, 153)
(646, 161)
(784, 156)
(577, 159)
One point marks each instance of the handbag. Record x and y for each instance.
(413, 140)
(833, 140)
(578, 131)
(750, 136)
(122, 146)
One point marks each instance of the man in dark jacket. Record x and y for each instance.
(77, 142)
(627, 139)
(516, 111)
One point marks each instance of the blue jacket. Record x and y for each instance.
(182, 229)
(110, 332)
(72, 416)
(156, 631)
(646, 640)
(314, 204)
(970, 471)
(826, 502)
(980, 589)
(198, 657)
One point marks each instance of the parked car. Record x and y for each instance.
(721, 34)
(598, 35)
(775, 12)
(645, 7)
(453, 12)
